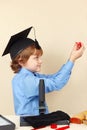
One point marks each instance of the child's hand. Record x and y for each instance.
(77, 51)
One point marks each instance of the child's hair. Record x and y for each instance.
(24, 56)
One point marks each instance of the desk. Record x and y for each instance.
(16, 120)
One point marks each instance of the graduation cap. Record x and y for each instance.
(19, 42)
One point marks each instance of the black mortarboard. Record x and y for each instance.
(19, 42)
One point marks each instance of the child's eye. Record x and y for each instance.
(36, 57)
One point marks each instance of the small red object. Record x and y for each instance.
(75, 120)
(63, 128)
(53, 126)
(79, 44)
(60, 129)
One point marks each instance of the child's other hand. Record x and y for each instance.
(77, 51)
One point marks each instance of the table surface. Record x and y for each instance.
(15, 119)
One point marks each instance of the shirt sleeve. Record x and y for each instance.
(66, 67)
(59, 79)
(53, 82)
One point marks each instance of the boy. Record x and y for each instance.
(26, 63)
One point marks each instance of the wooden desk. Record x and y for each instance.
(16, 120)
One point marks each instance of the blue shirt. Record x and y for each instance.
(25, 88)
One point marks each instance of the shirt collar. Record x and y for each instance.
(24, 70)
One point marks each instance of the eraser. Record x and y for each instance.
(53, 126)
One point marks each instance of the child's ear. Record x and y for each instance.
(20, 61)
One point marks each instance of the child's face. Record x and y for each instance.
(33, 63)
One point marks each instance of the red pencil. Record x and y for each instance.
(63, 128)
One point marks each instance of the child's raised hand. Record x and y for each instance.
(77, 51)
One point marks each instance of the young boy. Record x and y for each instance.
(26, 63)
